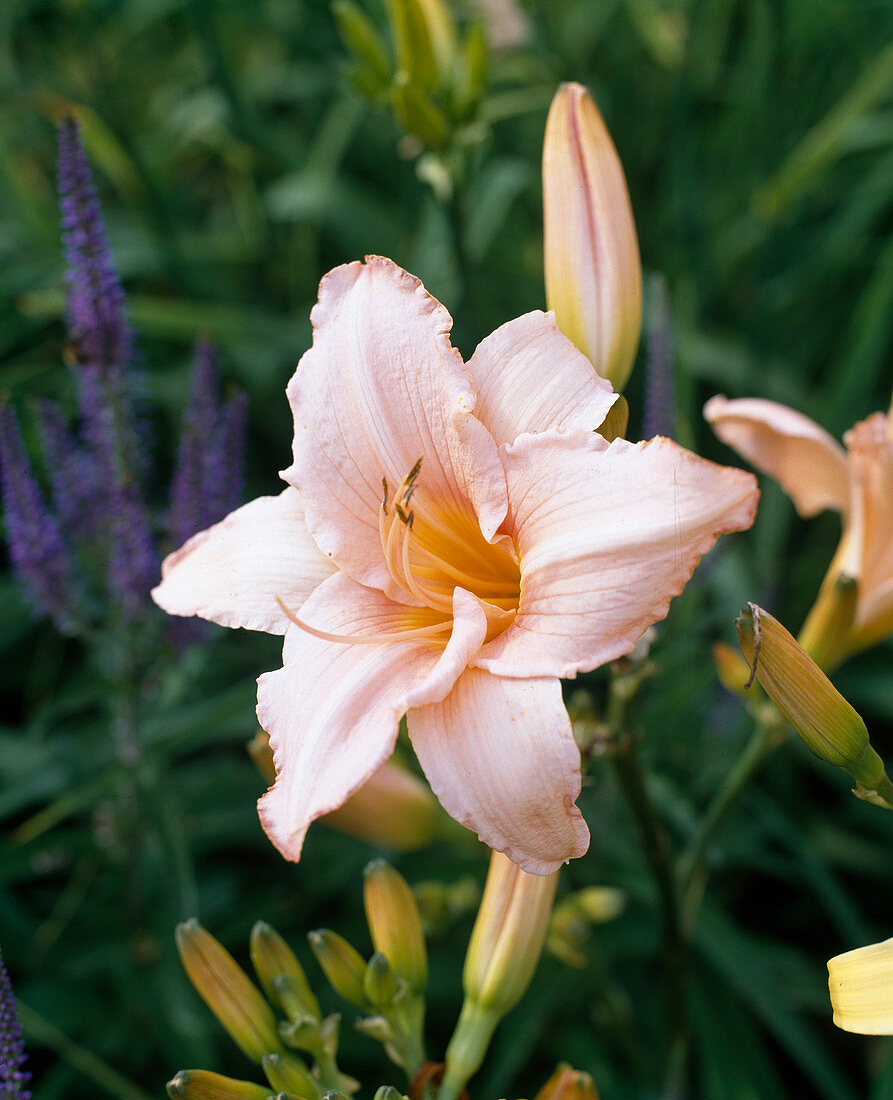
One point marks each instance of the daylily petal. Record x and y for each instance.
(808, 463)
(501, 757)
(531, 378)
(871, 468)
(604, 543)
(380, 388)
(333, 711)
(233, 572)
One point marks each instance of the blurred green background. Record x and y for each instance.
(236, 165)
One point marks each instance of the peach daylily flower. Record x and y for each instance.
(817, 473)
(454, 539)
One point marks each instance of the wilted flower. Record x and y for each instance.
(426, 495)
(816, 472)
(593, 272)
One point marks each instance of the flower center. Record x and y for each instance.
(431, 550)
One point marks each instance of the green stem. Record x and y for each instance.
(656, 847)
(693, 866)
(466, 1049)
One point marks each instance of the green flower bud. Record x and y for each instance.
(380, 983)
(342, 964)
(289, 1074)
(395, 924)
(199, 1084)
(272, 959)
(228, 991)
(826, 723)
(361, 38)
(417, 113)
(388, 1092)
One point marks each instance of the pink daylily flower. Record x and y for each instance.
(817, 473)
(455, 538)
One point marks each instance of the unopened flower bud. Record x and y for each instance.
(392, 809)
(228, 991)
(731, 668)
(508, 935)
(262, 755)
(200, 1084)
(825, 722)
(593, 273)
(425, 39)
(505, 946)
(388, 1092)
(568, 1084)
(287, 1073)
(573, 917)
(342, 964)
(395, 924)
(380, 983)
(273, 959)
(375, 1027)
(861, 986)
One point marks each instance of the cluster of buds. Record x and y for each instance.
(432, 74)
(91, 546)
(280, 1026)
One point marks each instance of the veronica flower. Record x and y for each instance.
(817, 473)
(454, 539)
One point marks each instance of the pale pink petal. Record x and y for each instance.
(333, 711)
(380, 388)
(530, 378)
(606, 535)
(808, 463)
(501, 757)
(233, 572)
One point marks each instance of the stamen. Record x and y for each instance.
(367, 639)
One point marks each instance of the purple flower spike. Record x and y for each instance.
(36, 547)
(72, 473)
(12, 1049)
(207, 483)
(660, 390)
(97, 323)
(226, 470)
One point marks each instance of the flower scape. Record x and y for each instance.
(454, 540)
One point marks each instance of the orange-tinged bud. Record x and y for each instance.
(228, 991)
(593, 272)
(395, 924)
(273, 959)
(731, 668)
(508, 935)
(506, 944)
(200, 1084)
(568, 1084)
(826, 723)
(861, 986)
(393, 809)
(342, 964)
